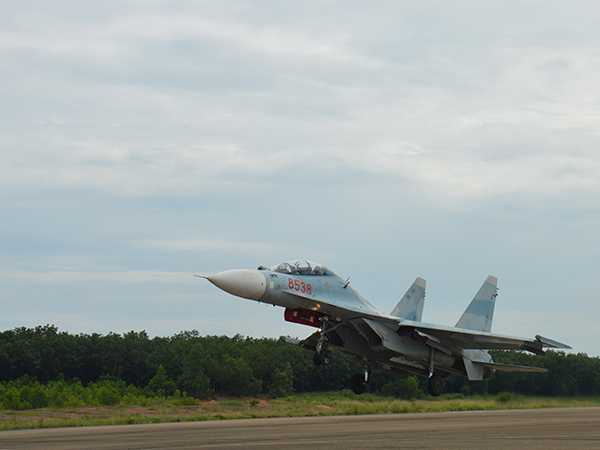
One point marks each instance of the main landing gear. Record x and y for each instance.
(359, 382)
(435, 384)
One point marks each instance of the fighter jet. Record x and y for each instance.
(346, 321)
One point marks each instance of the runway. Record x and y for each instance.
(546, 429)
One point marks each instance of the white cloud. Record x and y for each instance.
(108, 277)
(140, 138)
(214, 244)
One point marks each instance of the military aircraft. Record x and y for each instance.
(315, 296)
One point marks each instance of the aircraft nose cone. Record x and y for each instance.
(250, 284)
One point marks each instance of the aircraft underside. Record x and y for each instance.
(368, 350)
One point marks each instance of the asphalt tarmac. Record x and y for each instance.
(548, 429)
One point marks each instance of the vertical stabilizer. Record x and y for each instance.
(411, 305)
(480, 312)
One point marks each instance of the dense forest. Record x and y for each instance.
(203, 366)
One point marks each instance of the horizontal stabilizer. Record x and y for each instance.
(540, 343)
(510, 367)
(480, 312)
(549, 343)
(411, 305)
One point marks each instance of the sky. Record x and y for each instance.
(144, 141)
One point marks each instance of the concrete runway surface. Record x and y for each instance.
(548, 429)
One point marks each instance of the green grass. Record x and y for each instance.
(310, 404)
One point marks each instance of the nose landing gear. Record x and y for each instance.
(321, 358)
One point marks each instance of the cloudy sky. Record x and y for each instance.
(144, 141)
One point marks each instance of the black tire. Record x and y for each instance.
(321, 359)
(358, 384)
(435, 385)
(317, 359)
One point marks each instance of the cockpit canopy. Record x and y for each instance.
(300, 267)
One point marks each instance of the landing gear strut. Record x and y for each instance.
(321, 357)
(359, 381)
(435, 384)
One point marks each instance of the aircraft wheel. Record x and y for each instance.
(316, 359)
(435, 385)
(321, 359)
(358, 384)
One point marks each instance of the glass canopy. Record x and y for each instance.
(300, 267)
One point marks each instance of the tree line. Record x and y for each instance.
(204, 366)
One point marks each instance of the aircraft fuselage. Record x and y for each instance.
(315, 296)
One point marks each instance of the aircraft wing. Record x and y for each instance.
(443, 337)
(472, 339)
(510, 367)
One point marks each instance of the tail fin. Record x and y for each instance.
(411, 305)
(480, 312)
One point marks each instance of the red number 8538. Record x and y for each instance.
(300, 286)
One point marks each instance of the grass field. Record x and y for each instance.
(316, 404)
